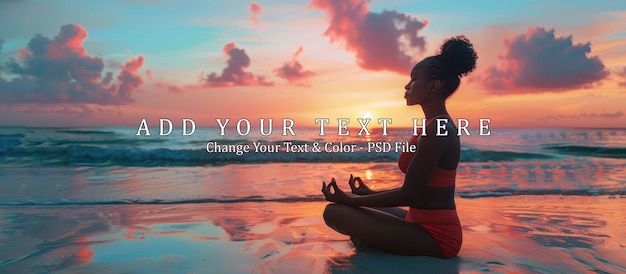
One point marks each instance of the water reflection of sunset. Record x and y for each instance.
(263, 236)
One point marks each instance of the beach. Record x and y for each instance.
(521, 234)
(104, 201)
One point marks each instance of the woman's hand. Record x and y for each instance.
(333, 193)
(358, 187)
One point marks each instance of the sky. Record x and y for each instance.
(113, 63)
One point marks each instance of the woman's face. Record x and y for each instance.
(417, 88)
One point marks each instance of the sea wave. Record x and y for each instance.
(563, 192)
(477, 155)
(292, 199)
(257, 199)
(589, 151)
(85, 132)
(79, 154)
(10, 141)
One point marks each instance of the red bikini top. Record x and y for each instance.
(441, 177)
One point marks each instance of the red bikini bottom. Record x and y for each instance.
(443, 225)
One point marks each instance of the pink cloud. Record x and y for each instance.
(538, 61)
(128, 78)
(623, 75)
(294, 72)
(380, 41)
(23, 53)
(174, 89)
(160, 84)
(235, 74)
(68, 43)
(59, 70)
(255, 11)
(170, 87)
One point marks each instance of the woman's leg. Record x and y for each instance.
(381, 230)
(395, 211)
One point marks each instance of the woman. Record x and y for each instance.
(431, 226)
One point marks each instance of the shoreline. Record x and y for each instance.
(285, 200)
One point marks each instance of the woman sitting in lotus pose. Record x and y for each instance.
(431, 226)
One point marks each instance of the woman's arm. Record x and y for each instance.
(430, 150)
(359, 188)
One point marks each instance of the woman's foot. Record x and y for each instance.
(359, 245)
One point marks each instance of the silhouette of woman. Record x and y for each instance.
(431, 226)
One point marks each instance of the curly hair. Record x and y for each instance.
(455, 59)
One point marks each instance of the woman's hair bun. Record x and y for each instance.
(458, 55)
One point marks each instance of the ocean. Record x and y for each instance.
(104, 200)
(112, 165)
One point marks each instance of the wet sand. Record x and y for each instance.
(515, 234)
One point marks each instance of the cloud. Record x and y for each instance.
(623, 75)
(234, 74)
(572, 107)
(128, 78)
(603, 115)
(380, 41)
(294, 72)
(59, 70)
(616, 114)
(114, 63)
(538, 61)
(255, 11)
(160, 84)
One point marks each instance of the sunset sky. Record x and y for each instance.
(91, 63)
